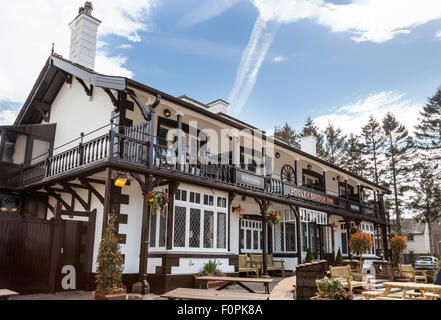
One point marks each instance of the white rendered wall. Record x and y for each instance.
(73, 112)
(194, 266)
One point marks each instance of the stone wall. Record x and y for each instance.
(307, 274)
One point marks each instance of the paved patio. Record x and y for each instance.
(281, 289)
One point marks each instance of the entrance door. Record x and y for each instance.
(73, 256)
(327, 243)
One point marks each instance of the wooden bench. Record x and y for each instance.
(7, 294)
(212, 295)
(345, 275)
(232, 280)
(244, 266)
(408, 271)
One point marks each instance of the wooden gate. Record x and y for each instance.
(34, 251)
(25, 253)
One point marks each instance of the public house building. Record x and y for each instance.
(79, 131)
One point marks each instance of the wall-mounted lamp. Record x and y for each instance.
(309, 167)
(338, 178)
(167, 113)
(121, 180)
(278, 155)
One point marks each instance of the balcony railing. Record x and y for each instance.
(132, 146)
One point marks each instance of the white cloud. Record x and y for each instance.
(368, 20)
(113, 65)
(206, 11)
(125, 46)
(351, 117)
(438, 35)
(28, 29)
(279, 59)
(8, 112)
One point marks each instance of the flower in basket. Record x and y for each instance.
(332, 289)
(157, 201)
(361, 243)
(273, 217)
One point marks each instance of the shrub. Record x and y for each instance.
(309, 256)
(339, 257)
(361, 243)
(210, 268)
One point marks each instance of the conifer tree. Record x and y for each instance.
(353, 157)
(398, 149)
(334, 146)
(374, 141)
(428, 131)
(288, 135)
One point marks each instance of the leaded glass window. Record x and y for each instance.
(162, 231)
(195, 228)
(221, 230)
(180, 225)
(209, 229)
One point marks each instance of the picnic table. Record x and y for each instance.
(235, 280)
(6, 294)
(210, 295)
(425, 290)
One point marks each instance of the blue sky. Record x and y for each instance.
(276, 61)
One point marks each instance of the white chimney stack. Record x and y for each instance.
(308, 143)
(84, 37)
(218, 106)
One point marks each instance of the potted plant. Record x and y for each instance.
(360, 243)
(109, 284)
(157, 201)
(339, 258)
(397, 244)
(331, 289)
(210, 269)
(309, 256)
(273, 217)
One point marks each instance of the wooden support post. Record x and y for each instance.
(347, 195)
(298, 239)
(264, 206)
(181, 161)
(55, 247)
(348, 235)
(231, 197)
(296, 168)
(325, 187)
(375, 204)
(107, 200)
(360, 194)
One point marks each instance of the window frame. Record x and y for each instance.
(185, 203)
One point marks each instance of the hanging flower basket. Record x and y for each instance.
(273, 217)
(157, 201)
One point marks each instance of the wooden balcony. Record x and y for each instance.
(132, 148)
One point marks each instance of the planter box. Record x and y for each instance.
(113, 296)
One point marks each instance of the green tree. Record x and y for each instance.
(353, 156)
(425, 199)
(288, 135)
(334, 146)
(398, 150)
(110, 261)
(310, 127)
(374, 142)
(428, 131)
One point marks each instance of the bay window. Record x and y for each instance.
(200, 221)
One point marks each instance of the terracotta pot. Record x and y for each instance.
(99, 295)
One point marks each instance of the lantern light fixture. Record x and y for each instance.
(121, 180)
(167, 113)
(278, 155)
